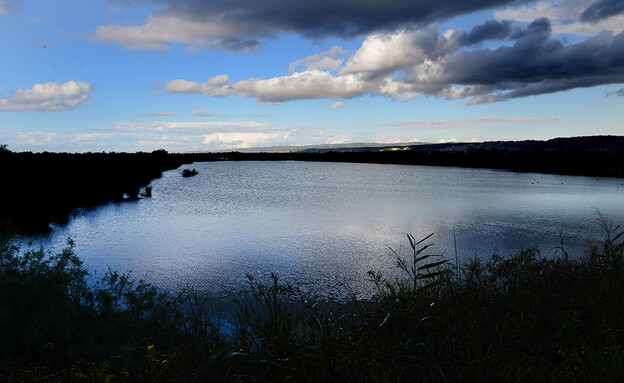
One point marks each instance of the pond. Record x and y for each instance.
(324, 225)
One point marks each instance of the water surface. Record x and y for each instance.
(324, 225)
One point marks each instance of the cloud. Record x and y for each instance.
(338, 105)
(413, 62)
(160, 30)
(369, 70)
(7, 6)
(447, 141)
(215, 135)
(242, 140)
(203, 113)
(469, 123)
(330, 60)
(383, 54)
(52, 139)
(310, 84)
(170, 135)
(212, 87)
(490, 30)
(602, 9)
(535, 64)
(565, 16)
(48, 97)
(239, 25)
(619, 92)
(552, 9)
(188, 127)
(159, 114)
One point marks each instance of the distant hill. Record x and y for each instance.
(567, 143)
(345, 147)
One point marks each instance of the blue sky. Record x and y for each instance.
(196, 75)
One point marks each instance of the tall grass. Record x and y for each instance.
(520, 318)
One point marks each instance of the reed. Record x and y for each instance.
(521, 318)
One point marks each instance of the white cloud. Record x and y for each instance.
(91, 136)
(310, 84)
(188, 127)
(214, 135)
(52, 139)
(383, 54)
(218, 80)
(158, 143)
(216, 86)
(447, 141)
(242, 140)
(159, 31)
(183, 86)
(372, 69)
(338, 105)
(48, 97)
(413, 62)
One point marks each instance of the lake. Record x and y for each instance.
(324, 225)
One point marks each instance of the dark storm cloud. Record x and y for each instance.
(490, 30)
(321, 18)
(602, 9)
(536, 64)
(539, 28)
(238, 24)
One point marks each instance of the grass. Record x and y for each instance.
(517, 318)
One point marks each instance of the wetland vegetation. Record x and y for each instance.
(515, 318)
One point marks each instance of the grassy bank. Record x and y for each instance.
(517, 318)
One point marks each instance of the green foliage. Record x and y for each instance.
(49, 312)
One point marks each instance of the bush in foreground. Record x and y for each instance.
(520, 318)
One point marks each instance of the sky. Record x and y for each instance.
(213, 75)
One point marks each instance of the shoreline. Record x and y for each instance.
(45, 188)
